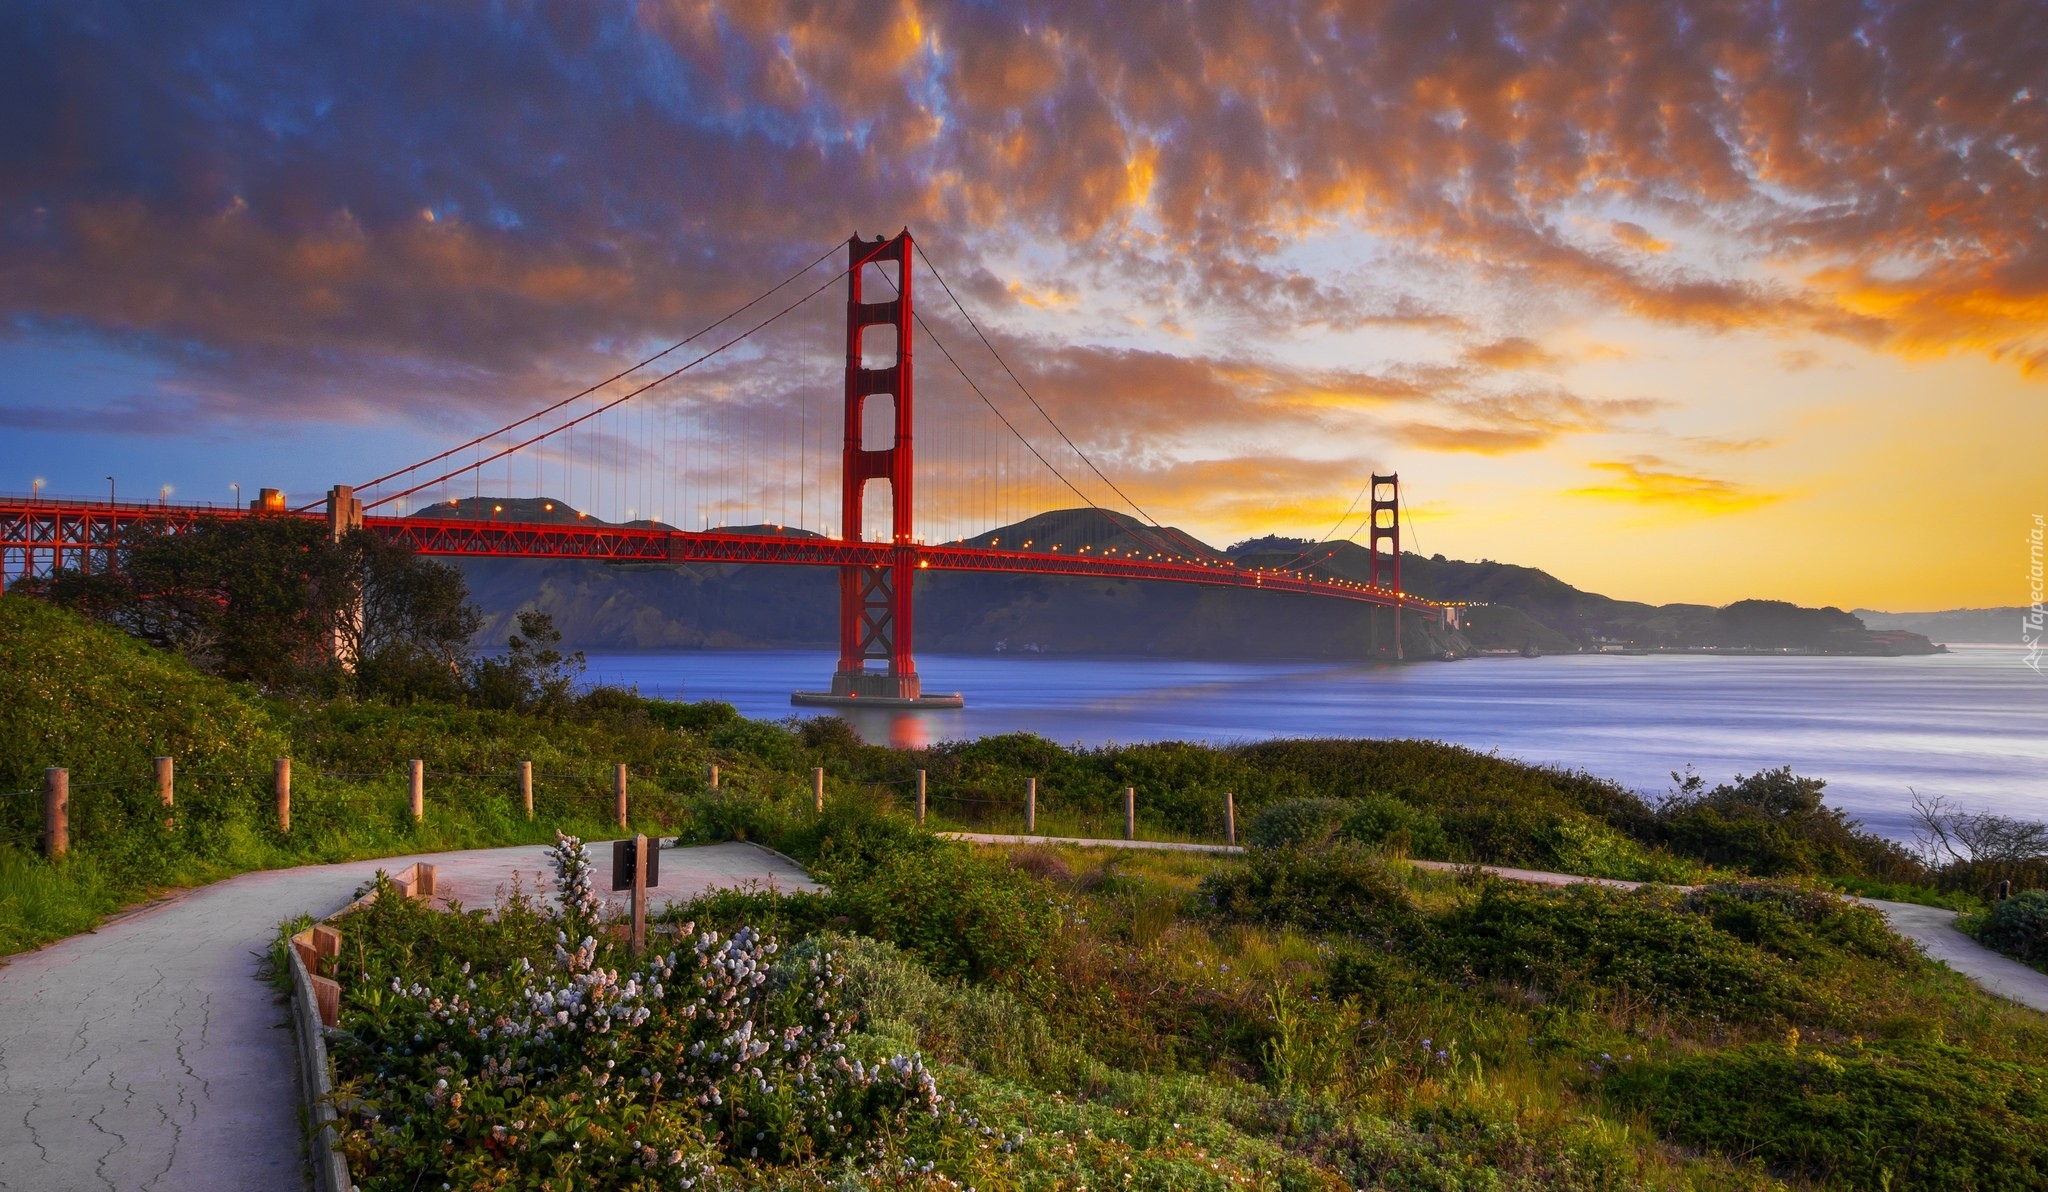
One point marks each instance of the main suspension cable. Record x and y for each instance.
(699, 334)
(624, 398)
(1026, 390)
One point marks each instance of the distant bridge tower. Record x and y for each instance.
(1386, 524)
(875, 616)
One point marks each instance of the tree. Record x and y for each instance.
(277, 602)
(533, 674)
(410, 634)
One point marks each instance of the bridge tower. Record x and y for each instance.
(1386, 524)
(875, 614)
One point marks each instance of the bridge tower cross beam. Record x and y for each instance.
(875, 617)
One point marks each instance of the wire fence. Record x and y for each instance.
(96, 809)
(346, 801)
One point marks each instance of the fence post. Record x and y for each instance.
(714, 776)
(641, 847)
(56, 811)
(818, 789)
(419, 791)
(920, 797)
(1030, 806)
(163, 787)
(1229, 818)
(619, 791)
(526, 787)
(284, 794)
(1130, 813)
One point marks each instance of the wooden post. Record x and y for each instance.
(1130, 813)
(56, 811)
(526, 787)
(619, 792)
(639, 890)
(1030, 806)
(714, 776)
(419, 791)
(818, 789)
(284, 794)
(920, 796)
(1229, 818)
(163, 787)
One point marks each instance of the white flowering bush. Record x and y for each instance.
(582, 905)
(700, 1063)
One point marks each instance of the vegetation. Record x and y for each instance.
(1316, 1014)
(2016, 926)
(1308, 1017)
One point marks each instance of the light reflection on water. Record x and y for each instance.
(1971, 724)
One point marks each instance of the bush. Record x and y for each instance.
(1592, 942)
(1342, 888)
(1797, 922)
(1772, 823)
(473, 1053)
(1908, 1116)
(963, 914)
(1396, 827)
(2018, 927)
(1299, 823)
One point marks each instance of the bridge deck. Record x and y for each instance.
(39, 536)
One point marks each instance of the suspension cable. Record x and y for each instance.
(624, 398)
(700, 333)
(1027, 389)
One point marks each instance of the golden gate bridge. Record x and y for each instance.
(744, 449)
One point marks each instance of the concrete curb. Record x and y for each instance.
(316, 1086)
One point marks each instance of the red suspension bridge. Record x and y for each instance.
(742, 451)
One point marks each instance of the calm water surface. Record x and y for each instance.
(1972, 724)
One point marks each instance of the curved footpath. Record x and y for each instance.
(1930, 927)
(148, 1057)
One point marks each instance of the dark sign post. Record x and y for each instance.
(636, 865)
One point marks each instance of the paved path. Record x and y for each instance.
(1934, 929)
(147, 1057)
(1931, 928)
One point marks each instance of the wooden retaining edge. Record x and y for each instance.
(316, 1008)
(316, 1086)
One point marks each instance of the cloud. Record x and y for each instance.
(1650, 481)
(239, 189)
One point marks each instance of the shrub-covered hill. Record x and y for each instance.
(1315, 1016)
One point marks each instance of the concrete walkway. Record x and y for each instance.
(147, 1057)
(1931, 928)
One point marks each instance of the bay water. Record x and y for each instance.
(1971, 724)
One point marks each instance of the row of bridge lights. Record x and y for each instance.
(1353, 585)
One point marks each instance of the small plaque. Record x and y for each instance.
(622, 863)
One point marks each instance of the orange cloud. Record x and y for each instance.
(1648, 481)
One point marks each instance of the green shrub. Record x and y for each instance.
(961, 913)
(1588, 941)
(1797, 921)
(1341, 888)
(1905, 1117)
(1773, 822)
(1299, 823)
(2018, 927)
(1396, 827)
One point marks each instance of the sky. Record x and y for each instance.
(1677, 301)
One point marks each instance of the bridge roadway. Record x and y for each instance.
(58, 531)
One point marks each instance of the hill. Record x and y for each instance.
(1988, 626)
(1512, 608)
